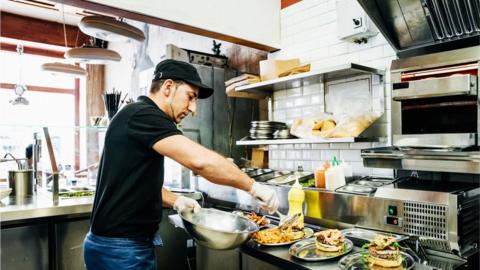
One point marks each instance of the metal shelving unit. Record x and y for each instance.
(316, 76)
(248, 141)
(326, 74)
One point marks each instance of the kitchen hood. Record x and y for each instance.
(417, 27)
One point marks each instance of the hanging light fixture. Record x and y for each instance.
(92, 55)
(62, 68)
(19, 87)
(110, 29)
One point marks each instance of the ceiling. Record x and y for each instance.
(45, 10)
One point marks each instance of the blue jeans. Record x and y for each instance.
(111, 253)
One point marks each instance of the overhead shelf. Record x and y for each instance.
(248, 141)
(325, 74)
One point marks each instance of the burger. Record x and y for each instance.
(384, 251)
(330, 241)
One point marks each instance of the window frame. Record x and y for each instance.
(73, 91)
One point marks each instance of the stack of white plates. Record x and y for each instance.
(264, 130)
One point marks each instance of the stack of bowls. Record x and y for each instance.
(264, 130)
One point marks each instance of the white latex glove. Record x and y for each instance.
(266, 196)
(183, 204)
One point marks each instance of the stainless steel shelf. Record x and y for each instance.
(325, 74)
(247, 141)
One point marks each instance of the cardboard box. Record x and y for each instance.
(271, 69)
(259, 158)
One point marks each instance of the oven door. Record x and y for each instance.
(439, 141)
(462, 84)
(433, 160)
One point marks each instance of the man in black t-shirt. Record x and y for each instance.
(130, 194)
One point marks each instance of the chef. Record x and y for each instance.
(130, 194)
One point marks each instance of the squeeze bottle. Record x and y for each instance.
(347, 169)
(296, 197)
(320, 175)
(334, 177)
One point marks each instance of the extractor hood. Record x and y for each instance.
(416, 27)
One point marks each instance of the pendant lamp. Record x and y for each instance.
(92, 55)
(20, 88)
(62, 68)
(110, 29)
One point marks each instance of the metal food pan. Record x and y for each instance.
(361, 236)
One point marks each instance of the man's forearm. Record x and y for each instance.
(168, 197)
(203, 161)
(223, 172)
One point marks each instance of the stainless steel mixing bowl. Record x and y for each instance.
(218, 229)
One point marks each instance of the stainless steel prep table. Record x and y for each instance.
(41, 205)
(42, 235)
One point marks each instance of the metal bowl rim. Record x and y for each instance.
(223, 231)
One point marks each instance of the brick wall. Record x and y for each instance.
(309, 31)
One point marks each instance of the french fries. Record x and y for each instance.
(275, 236)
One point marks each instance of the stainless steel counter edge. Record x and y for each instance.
(38, 206)
(41, 205)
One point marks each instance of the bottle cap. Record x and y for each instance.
(297, 184)
(334, 161)
(326, 165)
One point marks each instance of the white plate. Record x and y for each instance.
(5, 192)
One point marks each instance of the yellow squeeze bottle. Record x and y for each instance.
(296, 197)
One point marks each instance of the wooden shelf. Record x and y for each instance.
(326, 74)
(248, 141)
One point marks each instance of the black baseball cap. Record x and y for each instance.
(178, 70)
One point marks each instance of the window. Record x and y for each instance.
(54, 102)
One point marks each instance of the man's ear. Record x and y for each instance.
(167, 87)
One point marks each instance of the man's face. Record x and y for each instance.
(183, 101)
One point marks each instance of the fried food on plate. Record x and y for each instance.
(277, 236)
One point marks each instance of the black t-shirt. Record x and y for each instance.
(128, 200)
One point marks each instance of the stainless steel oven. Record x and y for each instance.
(435, 136)
(435, 101)
(435, 114)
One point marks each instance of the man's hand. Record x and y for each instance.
(183, 204)
(267, 197)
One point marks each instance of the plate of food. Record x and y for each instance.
(261, 221)
(277, 236)
(325, 245)
(380, 254)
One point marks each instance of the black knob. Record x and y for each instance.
(356, 22)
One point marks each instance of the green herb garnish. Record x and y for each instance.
(365, 246)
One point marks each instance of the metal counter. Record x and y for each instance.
(41, 205)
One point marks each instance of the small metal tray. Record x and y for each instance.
(354, 189)
(291, 178)
(306, 250)
(362, 236)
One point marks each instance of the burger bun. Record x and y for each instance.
(325, 247)
(397, 262)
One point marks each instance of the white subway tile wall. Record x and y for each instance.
(309, 32)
